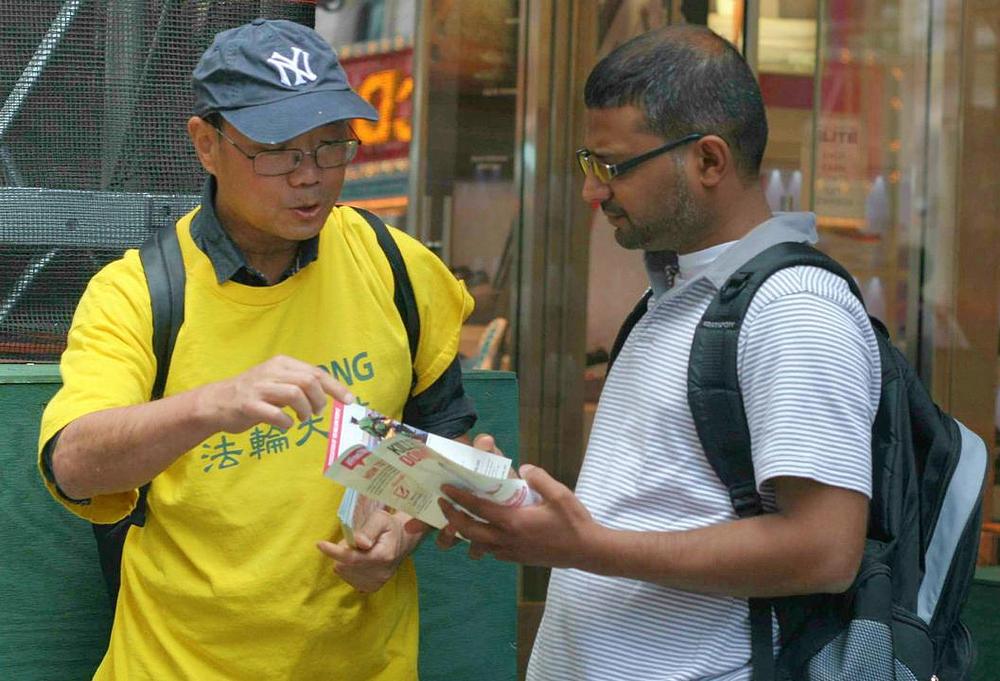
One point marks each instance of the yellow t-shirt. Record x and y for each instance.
(224, 580)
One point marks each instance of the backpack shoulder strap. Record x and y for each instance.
(717, 404)
(633, 318)
(402, 295)
(713, 385)
(165, 277)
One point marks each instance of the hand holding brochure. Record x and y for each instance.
(404, 467)
(354, 512)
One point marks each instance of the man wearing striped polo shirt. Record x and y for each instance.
(653, 568)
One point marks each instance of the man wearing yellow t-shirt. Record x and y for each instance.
(240, 570)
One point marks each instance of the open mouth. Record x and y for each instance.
(309, 211)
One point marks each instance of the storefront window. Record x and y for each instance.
(883, 121)
(725, 17)
(785, 66)
(439, 163)
(865, 158)
(374, 41)
(467, 202)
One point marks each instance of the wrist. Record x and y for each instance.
(203, 411)
(597, 549)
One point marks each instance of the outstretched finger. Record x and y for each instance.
(334, 388)
(338, 552)
(313, 389)
(284, 394)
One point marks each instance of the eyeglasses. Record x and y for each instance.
(273, 162)
(605, 172)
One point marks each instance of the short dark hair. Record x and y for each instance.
(686, 79)
(213, 118)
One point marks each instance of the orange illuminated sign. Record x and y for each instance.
(386, 81)
(386, 90)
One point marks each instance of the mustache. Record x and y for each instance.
(612, 209)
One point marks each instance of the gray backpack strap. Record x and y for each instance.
(402, 295)
(717, 403)
(164, 268)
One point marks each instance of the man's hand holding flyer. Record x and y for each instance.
(404, 467)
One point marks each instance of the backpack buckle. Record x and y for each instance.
(734, 286)
(746, 501)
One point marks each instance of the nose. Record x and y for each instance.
(308, 173)
(594, 190)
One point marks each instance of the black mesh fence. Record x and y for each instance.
(94, 152)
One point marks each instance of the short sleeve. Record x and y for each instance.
(443, 408)
(808, 378)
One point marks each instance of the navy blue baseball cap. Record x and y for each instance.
(274, 80)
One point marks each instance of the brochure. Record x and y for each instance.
(404, 467)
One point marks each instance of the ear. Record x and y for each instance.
(205, 140)
(715, 160)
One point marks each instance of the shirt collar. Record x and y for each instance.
(780, 228)
(225, 256)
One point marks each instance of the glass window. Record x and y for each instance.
(465, 202)
(375, 46)
(786, 61)
(441, 166)
(842, 130)
(868, 128)
(888, 139)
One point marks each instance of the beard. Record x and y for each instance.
(679, 224)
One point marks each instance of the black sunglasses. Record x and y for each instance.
(605, 172)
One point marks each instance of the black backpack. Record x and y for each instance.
(165, 277)
(899, 620)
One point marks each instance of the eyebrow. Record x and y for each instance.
(603, 156)
(285, 146)
(345, 136)
(599, 151)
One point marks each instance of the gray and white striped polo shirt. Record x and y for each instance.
(810, 377)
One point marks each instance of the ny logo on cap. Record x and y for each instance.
(297, 64)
